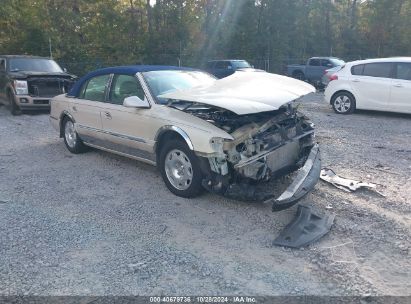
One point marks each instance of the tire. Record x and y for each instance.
(343, 103)
(14, 109)
(180, 169)
(299, 75)
(71, 139)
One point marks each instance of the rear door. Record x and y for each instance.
(400, 100)
(314, 70)
(371, 85)
(126, 128)
(87, 107)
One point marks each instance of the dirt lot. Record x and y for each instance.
(98, 224)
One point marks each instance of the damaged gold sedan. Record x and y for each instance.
(229, 136)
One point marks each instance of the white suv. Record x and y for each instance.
(375, 84)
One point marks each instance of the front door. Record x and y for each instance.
(126, 129)
(400, 100)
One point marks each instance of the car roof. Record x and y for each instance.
(227, 60)
(390, 59)
(325, 58)
(125, 70)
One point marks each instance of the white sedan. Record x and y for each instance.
(375, 84)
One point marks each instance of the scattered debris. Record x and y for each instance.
(342, 183)
(344, 253)
(306, 228)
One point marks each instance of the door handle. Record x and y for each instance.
(107, 115)
(355, 80)
(74, 108)
(398, 85)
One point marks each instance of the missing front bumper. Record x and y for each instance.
(305, 181)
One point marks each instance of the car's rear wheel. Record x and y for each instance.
(14, 108)
(73, 142)
(343, 103)
(180, 169)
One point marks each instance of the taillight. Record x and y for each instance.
(333, 77)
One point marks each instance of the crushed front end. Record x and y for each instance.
(266, 146)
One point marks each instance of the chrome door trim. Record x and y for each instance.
(145, 160)
(137, 139)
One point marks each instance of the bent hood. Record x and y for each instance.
(246, 92)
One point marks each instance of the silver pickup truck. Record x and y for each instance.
(314, 69)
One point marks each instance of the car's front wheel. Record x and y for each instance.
(343, 103)
(73, 142)
(180, 169)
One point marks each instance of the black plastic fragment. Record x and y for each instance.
(306, 228)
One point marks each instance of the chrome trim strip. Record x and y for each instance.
(108, 88)
(148, 161)
(138, 139)
(146, 89)
(179, 131)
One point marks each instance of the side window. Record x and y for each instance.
(378, 70)
(326, 63)
(95, 89)
(357, 69)
(222, 65)
(209, 65)
(315, 62)
(2, 65)
(125, 86)
(403, 71)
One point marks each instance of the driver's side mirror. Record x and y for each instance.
(135, 102)
(64, 70)
(329, 65)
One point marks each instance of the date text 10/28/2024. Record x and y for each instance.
(236, 299)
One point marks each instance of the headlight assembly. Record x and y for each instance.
(21, 87)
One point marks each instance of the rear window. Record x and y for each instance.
(357, 69)
(222, 65)
(378, 70)
(337, 62)
(403, 71)
(209, 65)
(241, 64)
(315, 62)
(326, 63)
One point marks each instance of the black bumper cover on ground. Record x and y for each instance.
(305, 181)
(305, 228)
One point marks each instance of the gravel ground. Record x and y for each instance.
(100, 224)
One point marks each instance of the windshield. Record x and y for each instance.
(161, 82)
(34, 65)
(241, 64)
(337, 62)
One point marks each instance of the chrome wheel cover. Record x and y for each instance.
(70, 134)
(178, 169)
(342, 104)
